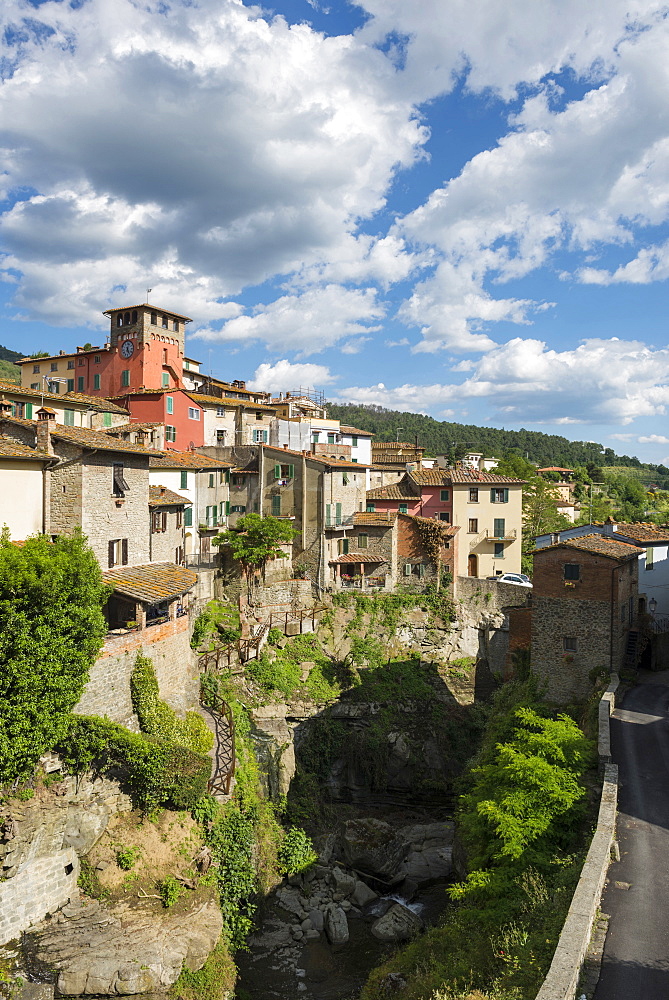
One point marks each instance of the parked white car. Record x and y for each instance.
(520, 579)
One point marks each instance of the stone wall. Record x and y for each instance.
(520, 637)
(163, 545)
(563, 975)
(168, 645)
(566, 674)
(106, 517)
(42, 886)
(490, 595)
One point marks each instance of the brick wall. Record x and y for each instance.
(42, 886)
(168, 645)
(520, 636)
(410, 550)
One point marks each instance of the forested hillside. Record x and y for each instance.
(8, 370)
(444, 437)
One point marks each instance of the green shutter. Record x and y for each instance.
(276, 506)
(184, 480)
(227, 477)
(506, 496)
(499, 526)
(227, 506)
(404, 508)
(29, 411)
(80, 383)
(106, 420)
(170, 404)
(362, 541)
(188, 517)
(70, 385)
(328, 515)
(344, 547)
(492, 496)
(354, 442)
(125, 377)
(211, 479)
(96, 381)
(277, 471)
(68, 418)
(371, 507)
(291, 471)
(338, 513)
(421, 569)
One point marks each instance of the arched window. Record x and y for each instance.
(126, 319)
(134, 315)
(175, 326)
(154, 319)
(119, 319)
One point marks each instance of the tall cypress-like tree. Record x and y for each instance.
(51, 631)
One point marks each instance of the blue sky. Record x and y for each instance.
(452, 208)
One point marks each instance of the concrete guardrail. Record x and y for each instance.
(562, 978)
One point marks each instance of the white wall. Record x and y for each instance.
(655, 582)
(21, 497)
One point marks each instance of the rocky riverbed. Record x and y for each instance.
(374, 886)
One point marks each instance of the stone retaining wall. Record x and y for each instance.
(563, 975)
(41, 886)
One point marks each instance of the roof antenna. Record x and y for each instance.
(147, 295)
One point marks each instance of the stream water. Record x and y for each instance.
(324, 972)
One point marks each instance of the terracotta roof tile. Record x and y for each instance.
(345, 429)
(186, 460)
(602, 545)
(321, 459)
(356, 557)
(145, 305)
(87, 438)
(161, 496)
(381, 519)
(229, 401)
(473, 476)
(12, 449)
(151, 583)
(393, 491)
(643, 532)
(93, 402)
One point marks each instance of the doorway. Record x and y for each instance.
(473, 565)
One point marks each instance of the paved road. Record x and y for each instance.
(636, 953)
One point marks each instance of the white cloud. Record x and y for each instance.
(308, 323)
(653, 439)
(284, 376)
(402, 342)
(600, 381)
(650, 264)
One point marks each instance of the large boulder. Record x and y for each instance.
(375, 848)
(398, 923)
(362, 894)
(431, 853)
(336, 924)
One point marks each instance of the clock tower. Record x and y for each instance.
(147, 344)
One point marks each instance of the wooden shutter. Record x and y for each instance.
(291, 471)
(184, 480)
(227, 476)
(227, 506)
(506, 496)
(328, 515)
(345, 547)
(110, 554)
(338, 513)
(124, 551)
(277, 471)
(164, 521)
(492, 495)
(499, 526)
(264, 437)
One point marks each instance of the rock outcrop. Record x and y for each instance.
(398, 923)
(120, 950)
(375, 848)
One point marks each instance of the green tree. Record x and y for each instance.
(51, 631)
(255, 540)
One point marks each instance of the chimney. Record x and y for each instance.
(285, 447)
(610, 526)
(43, 435)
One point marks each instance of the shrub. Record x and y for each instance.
(156, 718)
(296, 852)
(126, 857)
(169, 890)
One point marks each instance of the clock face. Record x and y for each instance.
(127, 347)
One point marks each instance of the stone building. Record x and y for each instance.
(73, 409)
(167, 531)
(585, 606)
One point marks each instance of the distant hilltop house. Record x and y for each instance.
(565, 488)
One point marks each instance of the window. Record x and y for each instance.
(184, 480)
(403, 508)
(119, 319)
(119, 485)
(276, 505)
(125, 377)
(371, 507)
(188, 517)
(70, 385)
(54, 387)
(474, 494)
(134, 315)
(34, 385)
(96, 359)
(154, 319)
(499, 550)
(106, 420)
(117, 550)
(363, 541)
(170, 433)
(82, 362)
(164, 355)
(211, 480)
(159, 521)
(260, 437)
(193, 413)
(445, 496)
(96, 381)
(28, 413)
(473, 525)
(342, 546)
(407, 569)
(499, 526)
(68, 418)
(499, 495)
(180, 518)
(175, 325)
(164, 319)
(238, 479)
(344, 479)
(570, 644)
(258, 414)
(166, 380)
(445, 515)
(315, 437)
(220, 437)
(126, 319)
(572, 571)
(220, 411)
(331, 439)
(70, 365)
(80, 383)
(650, 559)
(238, 509)
(54, 366)
(170, 404)
(284, 472)
(35, 369)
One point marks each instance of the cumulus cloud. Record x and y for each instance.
(307, 323)
(600, 381)
(653, 439)
(283, 375)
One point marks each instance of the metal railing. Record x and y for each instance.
(659, 624)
